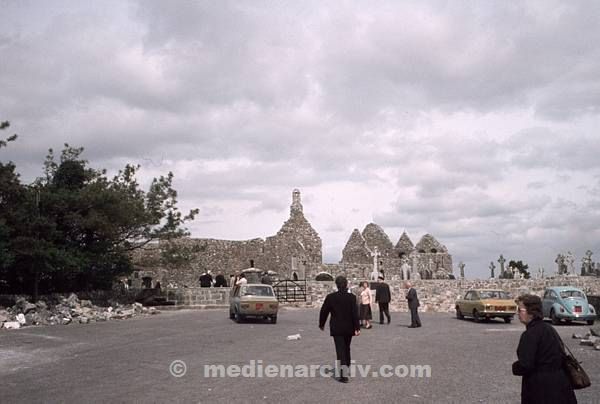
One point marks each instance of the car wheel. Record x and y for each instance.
(459, 315)
(555, 320)
(273, 319)
(590, 322)
(507, 320)
(476, 316)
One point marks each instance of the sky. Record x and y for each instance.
(473, 121)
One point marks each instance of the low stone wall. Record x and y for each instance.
(435, 295)
(198, 296)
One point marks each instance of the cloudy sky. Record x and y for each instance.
(476, 122)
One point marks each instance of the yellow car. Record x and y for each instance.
(483, 304)
(253, 300)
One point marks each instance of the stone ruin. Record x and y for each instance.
(295, 252)
(372, 252)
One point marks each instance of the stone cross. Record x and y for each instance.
(461, 265)
(501, 260)
(586, 263)
(540, 272)
(375, 273)
(516, 273)
(570, 260)
(560, 261)
(492, 267)
(405, 270)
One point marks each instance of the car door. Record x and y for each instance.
(476, 302)
(550, 298)
(466, 306)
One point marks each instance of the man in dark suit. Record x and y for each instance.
(206, 280)
(383, 297)
(220, 281)
(413, 304)
(343, 324)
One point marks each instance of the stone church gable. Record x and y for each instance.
(376, 237)
(356, 250)
(428, 244)
(404, 246)
(429, 259)
(296, 249)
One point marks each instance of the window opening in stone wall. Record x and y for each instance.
(295, 276)
(401, 255)
(251, 263)
(433, 250)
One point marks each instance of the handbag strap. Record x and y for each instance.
(565, 349)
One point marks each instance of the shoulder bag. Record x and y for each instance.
(577, 375)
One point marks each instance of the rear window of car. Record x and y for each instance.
(257, 291)
(494, 294)
(571, 293)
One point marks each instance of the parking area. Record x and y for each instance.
(203, 356)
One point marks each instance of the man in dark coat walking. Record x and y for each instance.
(383, 298)
(343, 324)
(413, 304)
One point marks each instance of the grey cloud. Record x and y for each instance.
(536, 185)
(268, 204)
(545, 147)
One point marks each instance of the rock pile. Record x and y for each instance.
(591, 338)
(66, 311)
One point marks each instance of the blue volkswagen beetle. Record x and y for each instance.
(567, 303)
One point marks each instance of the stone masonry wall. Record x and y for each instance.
(434, 295)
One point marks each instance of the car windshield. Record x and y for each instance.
(257, 291)
(494, 294)
(571, 293)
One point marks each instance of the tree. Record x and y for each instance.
(521, 267)
(12, 138)
(12, 195)
(74, 228)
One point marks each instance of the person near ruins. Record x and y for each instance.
(365, 305)
(220, 281)
(206, 280)
(413, 304)
(540, 358)
(241, 280)
(233, 278)
(383, 298)
(343, 325)
(266, 279)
